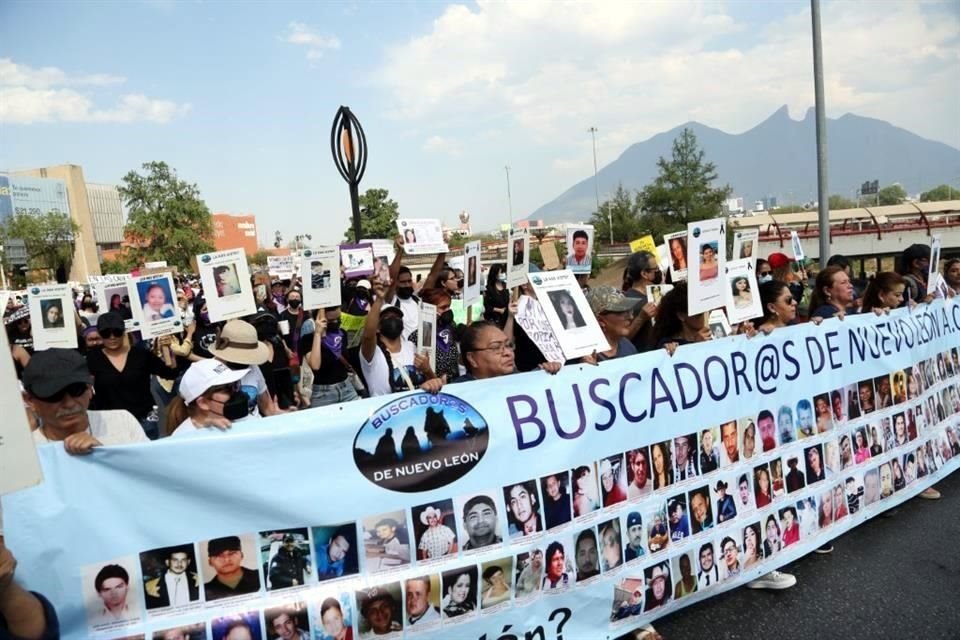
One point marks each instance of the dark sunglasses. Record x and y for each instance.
(75, 390)
(111, 333)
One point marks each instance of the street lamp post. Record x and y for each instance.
(348, 144)
(596, 181)
(509, 198)
(823, 214)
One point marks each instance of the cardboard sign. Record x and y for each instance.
(109, 290)
(280, 267)
(548, 253)
(54, 325)
(321, 277)
(19, 467)
(706, 257)
(646, 243)
(156, 308)
(569, 314)
(518, 257)
(225, 277)
(473, 277)
(356, 260)
(745, 244)
(427, 333)
(422, 236)
(580, 249)
(743, 296)
(676, 244)
(533, 321)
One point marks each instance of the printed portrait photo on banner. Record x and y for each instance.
(790, 525)
(111, 594)
(460, 588)
(586, 554)
(611, 544)
(529, 572)
(767, 430)
(776, 478)
(195, 631)
(772, 542)
(639, 484)
(805, 428)
(729, 443)
(586, 498)
(708, 573)
(290, 621)
(480, 522)
(52, 313)
(701, 511)
(286, 554)
(333, 618)
(558, 566)
(627, 599)
(730, 566)
(380, 610)
(421, 602)
(685, 580)
(523, 507)
(815, 465)
(786, 431)
(748, 437)
(335, 550)
(821, 405)
(170, 577)
(722, 491)
(679, 518)
(709, 454)
(435, 530)
(762, 487)
(613, 480)
(636, 533)
(659, 586)
(796, 478)
(229, 567)
(496, 586)
(226, 279)
(752, 546)
(237, 626)
(661, 464)
(156, 300)
(386, 541)
(685, 457)
(557, 505)
(658, 538)
(744, 492)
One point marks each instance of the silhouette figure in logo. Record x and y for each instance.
(410, 445)
(436, 428)
(386, 451)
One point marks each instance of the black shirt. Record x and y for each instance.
(128, 389)
(249, 583)
(332, 369)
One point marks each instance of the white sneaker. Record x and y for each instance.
(773, 580)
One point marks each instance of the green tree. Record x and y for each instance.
(624, 211)
(378, 216)
(167, 218)
(894, 194)
(120, 264)
(836, 202)
(683, 191)
(260, 257)
(48, 238)
(937, 194)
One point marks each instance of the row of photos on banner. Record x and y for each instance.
(661, 522)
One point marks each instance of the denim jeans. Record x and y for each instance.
(327, 394)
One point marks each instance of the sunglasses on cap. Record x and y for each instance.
(111, 333)
(74, 390)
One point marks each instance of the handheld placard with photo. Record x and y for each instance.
(225, 278)
(580, 248)
(53, 325)
(531, 317)
(569, 314)
(472, 274)
(427, 333)
(934, 264)
(706, 257)
(797, 247)
(655, 292)
(280, 267)
(356, 259)
(518, 257)
(676, 244)
(548, 253)
(422, 236)
(321, 277)
(155, 306)
(718, 324)
(383, 254)
(743, 296)
(745, 244)
(110, 290)
(644, 243)
(18, 453)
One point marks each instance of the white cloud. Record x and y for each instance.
(29, 95)
(300, 34)
(439, 144)
(637, 68)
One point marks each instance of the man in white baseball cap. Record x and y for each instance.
(210, 396)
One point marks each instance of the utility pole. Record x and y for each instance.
(596, 181)
(822, 197)
(509, 199)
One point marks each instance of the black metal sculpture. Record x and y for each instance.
(349, 147)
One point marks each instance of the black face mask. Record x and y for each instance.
(658, 278)
(237, 407)
(460, 283)
(333, 325)
(445, 318)
(293, 304)
(404, 293)
(391, 328)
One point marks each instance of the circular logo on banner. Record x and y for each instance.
(205, 259)
(420, 442)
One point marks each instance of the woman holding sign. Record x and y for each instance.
(448, 352)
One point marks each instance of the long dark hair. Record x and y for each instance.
(824, 281)
(493, 276)
(672, 304)
(883, 282)
(769, 292)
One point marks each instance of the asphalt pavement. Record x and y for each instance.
(892, 577)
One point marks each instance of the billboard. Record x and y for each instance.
(34, 196)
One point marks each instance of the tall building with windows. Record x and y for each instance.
(106, 213)
(235, 232)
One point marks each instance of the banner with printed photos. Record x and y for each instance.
(53, 317)
(583, 504)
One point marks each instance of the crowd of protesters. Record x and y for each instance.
(118, 389)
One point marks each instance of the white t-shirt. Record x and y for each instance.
(254, 385)
(376, 373)
(185, 428)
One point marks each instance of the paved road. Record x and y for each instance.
(894, 578)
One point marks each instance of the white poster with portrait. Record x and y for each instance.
(111, 291)
(797, 247)
(676, 244)
(427, 333)
(706, 257)
(155, 306)
(580, 248)
(422, 236)
(934, 271)
(320, 271)
(472, 276)
(743, 296)
(745, 244)
(383, 254)
(518, 261)
(18, 452)
(228, 291)
(569, 314)
(53, 323)
(718, 324)
(281, 267)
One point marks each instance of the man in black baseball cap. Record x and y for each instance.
(57, 387)
(225, 556)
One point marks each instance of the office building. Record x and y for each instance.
(235, 232)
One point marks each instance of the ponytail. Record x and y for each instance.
(176, 413)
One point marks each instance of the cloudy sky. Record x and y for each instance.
(239, 98)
